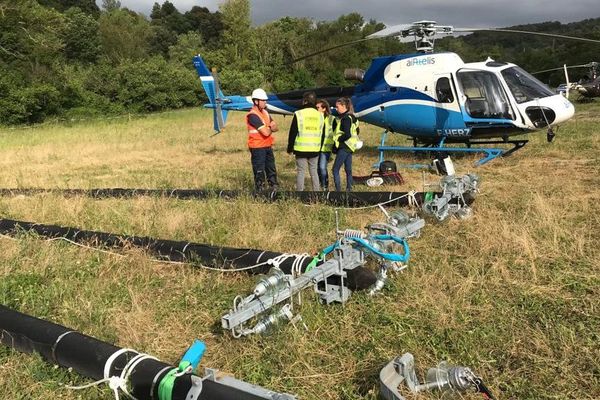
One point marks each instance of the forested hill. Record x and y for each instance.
(70, 58)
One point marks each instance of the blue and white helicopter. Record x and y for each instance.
(435, 98)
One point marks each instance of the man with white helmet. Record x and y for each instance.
(260, 141)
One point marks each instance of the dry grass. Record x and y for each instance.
(512, 293)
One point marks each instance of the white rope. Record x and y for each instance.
(84, 246)
(367, 207)
(111, 359)
(157, 261)
(116, 383)
(278, 259)
(113, 382)
(412, 199)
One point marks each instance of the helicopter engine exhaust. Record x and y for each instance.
(354, 74)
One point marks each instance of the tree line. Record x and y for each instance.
(72, 59)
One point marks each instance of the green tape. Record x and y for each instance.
(314, 261)
(165, 387)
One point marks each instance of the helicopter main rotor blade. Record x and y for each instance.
(316, 53)
(429, 29)
(561, 68)
(553, 35)
(394, 30)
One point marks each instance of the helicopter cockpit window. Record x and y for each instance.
(484, 93)
(443, 90)
(524, 86)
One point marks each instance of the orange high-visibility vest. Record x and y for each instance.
(255, 139)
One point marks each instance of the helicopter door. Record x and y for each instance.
(484, 96)
(448, 118)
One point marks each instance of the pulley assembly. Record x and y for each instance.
(385, 242)
(445, 378)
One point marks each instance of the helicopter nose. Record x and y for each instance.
(551, 110)
(564, 110)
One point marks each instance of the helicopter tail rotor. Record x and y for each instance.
(210, 83)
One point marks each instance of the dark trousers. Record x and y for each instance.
(263, 165)
(343, 157)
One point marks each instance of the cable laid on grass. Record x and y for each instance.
(211, 257)
(130, 372)
(347, 199)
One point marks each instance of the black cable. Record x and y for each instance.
(181, 251)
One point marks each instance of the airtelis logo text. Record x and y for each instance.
(420, 61)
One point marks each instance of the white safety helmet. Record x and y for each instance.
(375, 181)
(259, 94)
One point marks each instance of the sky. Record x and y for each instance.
(458, 13)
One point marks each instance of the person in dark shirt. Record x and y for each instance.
(345, 140)
(304, 140)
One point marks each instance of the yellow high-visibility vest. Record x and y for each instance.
(310, 127)
(328, 134)
(351, 143)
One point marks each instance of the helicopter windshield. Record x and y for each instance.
(524, 86)
(484, 93)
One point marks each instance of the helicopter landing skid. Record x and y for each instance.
(490, 153)
(517, 144)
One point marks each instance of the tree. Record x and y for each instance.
(239, 42)
(124, 35)
(30, 34)
(82, 39)
(209, 25)
(187, 46)
(169, 17)
(282, 41)
(111, 5)
(87, 6)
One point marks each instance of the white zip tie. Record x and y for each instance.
(129, 369)
(58, 339)
(112, 358)
(155, 380)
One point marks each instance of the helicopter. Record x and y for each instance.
(588, 87)
(434, 98)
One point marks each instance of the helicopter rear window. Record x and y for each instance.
(524, 86)
(485, 96)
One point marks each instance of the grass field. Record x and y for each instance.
(513, 293)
